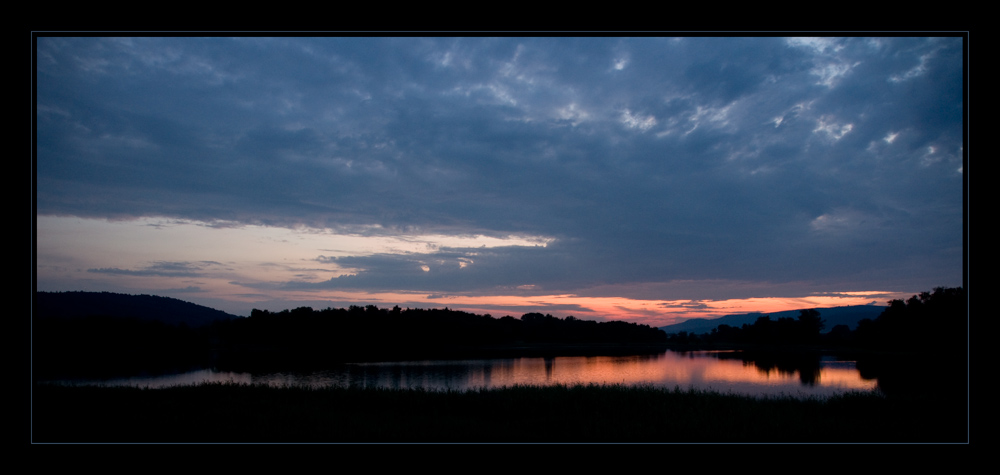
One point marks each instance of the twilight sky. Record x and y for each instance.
(646, 179)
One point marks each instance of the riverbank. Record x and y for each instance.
(239, 413)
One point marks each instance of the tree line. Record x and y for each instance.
(935, 319)
(107, 342)
(380, 332)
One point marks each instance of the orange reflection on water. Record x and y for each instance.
(699, 370)
(721, 371)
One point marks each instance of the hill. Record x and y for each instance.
(144, 307)
(848, 315)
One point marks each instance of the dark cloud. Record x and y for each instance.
(497, 270)
(647, 159)
(161, 269)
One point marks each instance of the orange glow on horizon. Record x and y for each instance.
(650, 312)
(236, 269)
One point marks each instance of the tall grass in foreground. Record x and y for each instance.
(611, 413)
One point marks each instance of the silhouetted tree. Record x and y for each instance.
(809, 325)
(935, 319)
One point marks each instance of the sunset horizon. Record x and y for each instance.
(646, 179)
(613, 305)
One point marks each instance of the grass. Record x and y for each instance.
(240, 413)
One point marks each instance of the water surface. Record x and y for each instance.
(720, 371)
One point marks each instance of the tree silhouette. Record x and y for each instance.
(809, 325)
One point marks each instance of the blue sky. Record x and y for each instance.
(644, 178)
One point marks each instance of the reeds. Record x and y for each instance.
(230, 412)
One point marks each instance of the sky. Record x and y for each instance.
(648, 179)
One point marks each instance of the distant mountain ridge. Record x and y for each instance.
(144, 307)
(848, 315)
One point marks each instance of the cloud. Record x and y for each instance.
(634, 121)
(482, 270)
(834, 130)
(161, 269)
(640, 160)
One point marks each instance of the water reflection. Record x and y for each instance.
(734, 372)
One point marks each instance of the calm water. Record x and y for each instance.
(722, 371)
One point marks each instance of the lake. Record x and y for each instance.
(724, 371)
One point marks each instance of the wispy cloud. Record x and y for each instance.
(323, 168)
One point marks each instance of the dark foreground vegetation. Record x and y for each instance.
(932, 326)
(81, 334)
(927, 334)
(105, 343)
(935, 320)
(233, 413)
